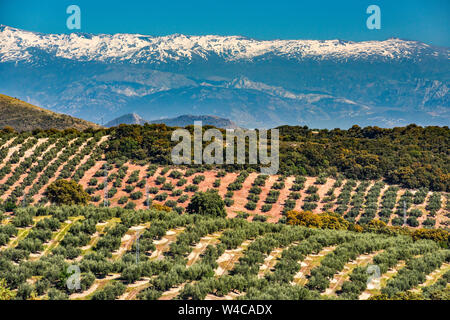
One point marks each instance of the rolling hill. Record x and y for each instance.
(23, 116)
(29, 164)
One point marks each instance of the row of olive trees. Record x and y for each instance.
(371, 203)
(415, 272)
(404, 249)
(335, 261)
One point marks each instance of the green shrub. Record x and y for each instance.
(207, 203)
(250, 205)
(123, 200)
(136, 195)
(63, 192)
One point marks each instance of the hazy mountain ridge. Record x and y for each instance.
(131, 118)
(181, 121)
(254, 83)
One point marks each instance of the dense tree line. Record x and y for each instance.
(411, 156)
(329, 220)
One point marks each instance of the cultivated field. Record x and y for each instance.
(199, 257)
(29, 164)
(247, 255)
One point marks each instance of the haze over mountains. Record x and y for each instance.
(254, 83)
(181, 121)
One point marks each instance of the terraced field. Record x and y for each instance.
(28, 164)
(135, 241)
(200, 257)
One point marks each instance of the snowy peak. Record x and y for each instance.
(15, 45)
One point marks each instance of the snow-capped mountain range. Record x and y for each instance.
(255, 83)
(17, 45)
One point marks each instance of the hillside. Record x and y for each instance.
(23, 116)
(411, 156)
(29, 164)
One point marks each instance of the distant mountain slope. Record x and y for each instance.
(130, 118)
(186, 120)
(181, 121)
(23, 116)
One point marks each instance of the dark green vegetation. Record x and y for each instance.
(207, 203)
(22, 116)
(411, 156)
(327, 220)
(64, 192)
(95, 240)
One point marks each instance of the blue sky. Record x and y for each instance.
(423, 20)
